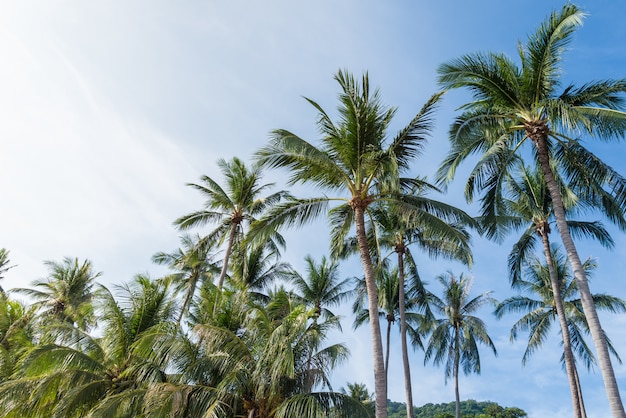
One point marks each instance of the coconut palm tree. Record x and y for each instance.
(321, 288)
(194, 265)
(541, 312)
(359, 165)
(17, 334)
(527, 206)
(429, 233)
(66, 293)
(231, 206)
(4, 265)
(514, 103)
(266, 369)
(81, 375)
(455, 336)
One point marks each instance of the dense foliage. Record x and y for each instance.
(469, 409)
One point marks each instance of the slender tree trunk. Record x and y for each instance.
(405, 354)
(380, 382)
(539, 137)
(457, 353)
(192, 289)
(388, 343)
(229, 249)
(560, 313)
(579, 391)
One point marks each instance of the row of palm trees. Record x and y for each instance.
(377, 209)
(140, 361)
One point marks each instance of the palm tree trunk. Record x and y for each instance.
(380, 381)
(560, 313)
(229, 249)
(457, 354)
(579, 391)
(405, 354)
(388, 343)
(599, 339)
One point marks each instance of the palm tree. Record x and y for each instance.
(4, 265)
(232, 206)
(81, 375)
(194, 265)
(527, 204)
(359, 392)
(429, 233)
(265, 369)
(67, 292)
(17, 335)
(541, 312)
(358, 163)
(511, 104)
(454, 337)
(321, 287)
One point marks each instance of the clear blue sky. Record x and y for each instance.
(110, 107)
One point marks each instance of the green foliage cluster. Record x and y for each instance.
(469, 409)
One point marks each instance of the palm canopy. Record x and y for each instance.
(513, 103)
(321, 287)
(356, 159)
(232, 206)
(193, 265)
(456, 334)
(540, 311)
(4, 265)
(526, 205)
(81, 375)
(66, 293)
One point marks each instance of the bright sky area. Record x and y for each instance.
(110, 107)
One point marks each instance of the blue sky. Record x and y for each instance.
(110, 107)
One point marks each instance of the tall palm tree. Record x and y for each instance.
(455, 336)
(321, 287)
(511, 104)
(231, 206)
(429, 233)
(527, 205)
(360, 166)
(540, 312)
(194, 265)
(67, 292)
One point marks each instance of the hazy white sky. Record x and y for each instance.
(109, 107)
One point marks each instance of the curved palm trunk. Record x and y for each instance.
(192, 289)
(560, 312)
(457, 355)
(380, 381)
(539, 137)
(405, 355)
(229, 249)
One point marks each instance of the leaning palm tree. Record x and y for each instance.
(455, 336)
(232, 207)
(514, 103)
(193, 263)
(527, 206)
(360, 166)
(67, 292)
(540, 311)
